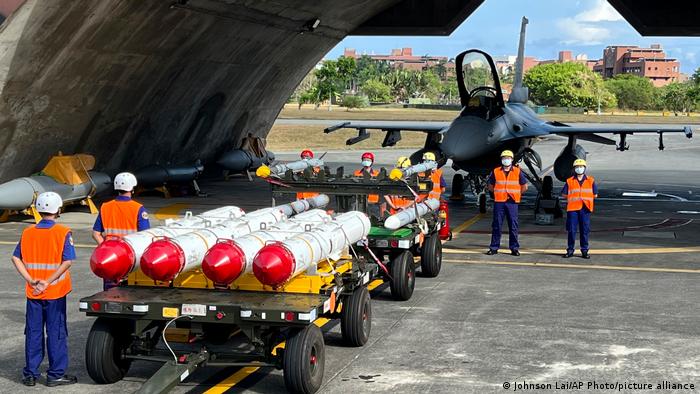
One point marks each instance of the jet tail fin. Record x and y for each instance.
(520, 93)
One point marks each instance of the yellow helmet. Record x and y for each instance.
(403, 162)
(507, 153)
(429, 156)
(579, 162)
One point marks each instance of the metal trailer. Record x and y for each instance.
(395, 250)
(247, 324)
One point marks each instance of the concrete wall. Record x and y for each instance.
(138, 82)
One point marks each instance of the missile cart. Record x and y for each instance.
(190, 322)
(394, 250)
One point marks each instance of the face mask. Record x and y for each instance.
(580, 170)
(366, 163)
(506, 162)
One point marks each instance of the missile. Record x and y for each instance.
(19, 193)
(398, 173)
(303, 205)
(228, 259)
(408, 215)
(115, 258)
(158, 175)
(277, 263)
(164, 259)
(295, 166)
(239, 160)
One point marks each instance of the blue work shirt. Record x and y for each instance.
(142, 224)
(565, 189)
(68, 248)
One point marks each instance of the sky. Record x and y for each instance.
(582, 26)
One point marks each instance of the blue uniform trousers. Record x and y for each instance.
(52, 315)
(509, 210)
(578, 221)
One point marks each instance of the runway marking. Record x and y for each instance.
(467, 223)
(170, 211)
(577, 266)
(690, 249)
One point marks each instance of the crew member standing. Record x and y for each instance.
(397, 203)
(42, 257)
(367, 162)
(307, 154)
(121, 216)
(580, 191)
(507, 183)
(436, 177)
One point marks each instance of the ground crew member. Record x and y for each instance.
(42, 257)
(436, 177)
(507, 183)
(307, 154)
(580, 191)
(367, 161)
(397, 203)
(120, 216)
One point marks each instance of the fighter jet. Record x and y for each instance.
(487, 125)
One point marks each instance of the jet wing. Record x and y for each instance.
(393, 129)
(591, 131)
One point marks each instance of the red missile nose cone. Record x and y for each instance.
(162, 260)
(223, 263)
(274, 265)
(112, 259)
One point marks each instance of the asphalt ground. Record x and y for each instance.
(628, 315)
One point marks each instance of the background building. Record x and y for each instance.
(650, 63)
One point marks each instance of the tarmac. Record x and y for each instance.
(486, 323)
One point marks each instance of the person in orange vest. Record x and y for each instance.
(42, 257)
(397, 203)
(307, 154)
(436, 177)
(580, 192)
(507, 183)
(367, 161)
(121, 216)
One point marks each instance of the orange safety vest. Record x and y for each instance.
(303, 195)
(120, 218)
(507, 185)
(372, 198)
(435, 177)
(42, 254)
(398, 203)
(580, 194)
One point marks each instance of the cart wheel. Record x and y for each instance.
(303, 360)
(482, 202)
(431, 256)
(403, 275)
(105, 344)
(356, 318)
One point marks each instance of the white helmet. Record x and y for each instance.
(48, 202)
(125, 181)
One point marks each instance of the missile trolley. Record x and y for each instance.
(395, 240)
(237, 290)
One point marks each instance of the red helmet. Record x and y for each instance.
(308, 153)
(368, 155)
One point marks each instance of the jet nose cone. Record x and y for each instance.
(112, 259)
(223, 263)
(16, 194)
(162, 260)
(273, 265)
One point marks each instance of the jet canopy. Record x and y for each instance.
(478, 84)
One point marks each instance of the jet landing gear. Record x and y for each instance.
(476, 184)
(547, 202)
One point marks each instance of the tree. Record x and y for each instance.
(352, 101)
(676, 97)
(695, 78)
(376, 91)
(333, 78)
(632, 91)
(567, 85)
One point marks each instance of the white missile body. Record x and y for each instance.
(277, 263)
(295, 166)
(408, 215)
(418, 168)
(299, 206)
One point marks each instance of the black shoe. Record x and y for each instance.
(568, 254)
(491, 252)
(515, 252)
(63, 380)
(585, 255)
(29, 381)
